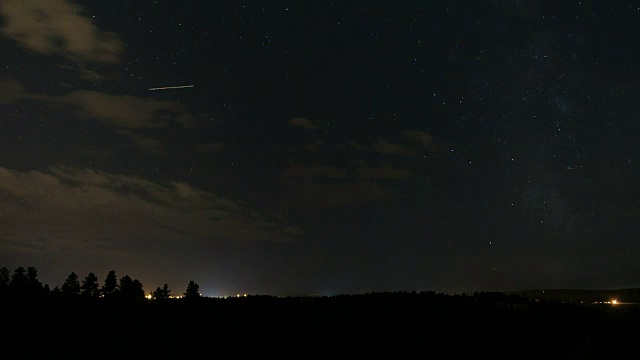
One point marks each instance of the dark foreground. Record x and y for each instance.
(385, 325)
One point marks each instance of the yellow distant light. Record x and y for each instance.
(614, 301)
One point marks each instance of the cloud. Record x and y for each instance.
(420, 137)
(10, 91)
(409, 143)
(372, 167)
(94, 211)
(317, 186)
(85, 74)
(425, 140)
(383, 146)
(123, 111)
(58, 26)
(145, 143)
(91, 75)
(126, 111)
(302, 123)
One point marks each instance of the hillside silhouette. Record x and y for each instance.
(118, 322)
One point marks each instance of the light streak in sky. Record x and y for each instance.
(171, 87)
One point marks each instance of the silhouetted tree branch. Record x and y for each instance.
(90, 287)
(110, 284)
(162, 293)
(71, 285)
(193, 290)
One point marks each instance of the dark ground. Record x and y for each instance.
(387, 325)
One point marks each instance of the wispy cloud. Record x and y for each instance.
(409, 143)
(317, 185)
(372, 167)
(97, 211)
(302, 123)
(10, 91)
(126, 111)
(425, 140)
(85, 74)
(58, 26)
(383, 146)
(148, 144)
(122, 111)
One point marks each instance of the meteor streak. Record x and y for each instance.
(172, 87)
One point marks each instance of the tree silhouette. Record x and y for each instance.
(90, 286)
(126, 283)
(18, 285)
(5, 279)
(137, 290)
(193, 290)
(34, 286)
(110, 284)
(71, 285)
(130, 289)
(162, 293)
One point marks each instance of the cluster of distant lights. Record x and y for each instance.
(150, 296)
(611, 302)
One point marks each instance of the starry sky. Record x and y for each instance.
(324, 147)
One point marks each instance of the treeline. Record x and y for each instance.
(396, 324)
(24, 284)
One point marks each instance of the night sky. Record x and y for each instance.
(324, 147)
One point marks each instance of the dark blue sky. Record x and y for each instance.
(325, 147)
